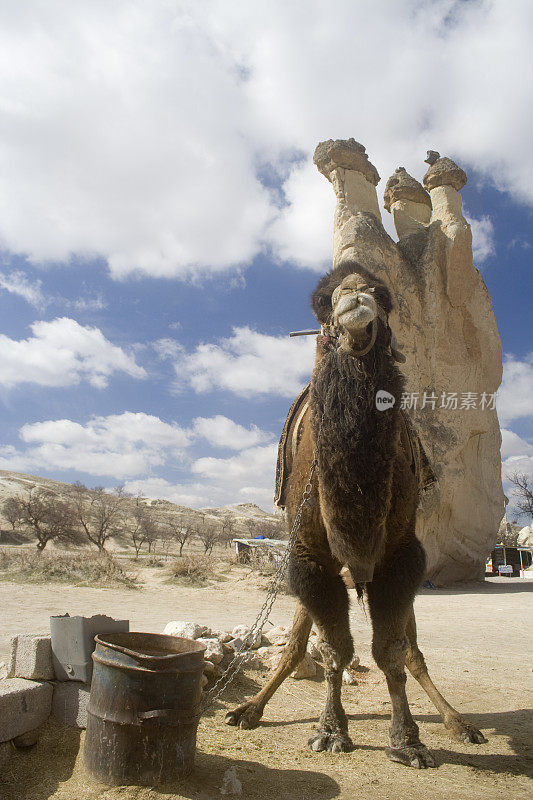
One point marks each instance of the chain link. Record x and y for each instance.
(242, 653)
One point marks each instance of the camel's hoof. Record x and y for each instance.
(333, 742)
(414, 755)
(463, 731)
(245, 717)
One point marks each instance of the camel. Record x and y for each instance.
(361, 515)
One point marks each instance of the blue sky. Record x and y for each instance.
(162, 225)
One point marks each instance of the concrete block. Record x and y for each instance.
(31, 657)
(70, 703)
(24, 706)
(6, 749)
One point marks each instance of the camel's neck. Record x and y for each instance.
(356, 443)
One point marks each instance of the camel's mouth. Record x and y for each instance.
(354, 310)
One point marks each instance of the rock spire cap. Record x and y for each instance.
(345, 153)
(443, 172)
(402, 186)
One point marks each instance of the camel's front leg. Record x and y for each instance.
(325, 596)
(249, 714)
(390, 598)
(459, 728)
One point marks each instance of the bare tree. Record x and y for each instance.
(12, 511)
(523, 492)
(228, 531)
(251, 524)
(274, 529)
(181, 530)
(99, 514)
(209, 533)
(141, 527)
(46, 516)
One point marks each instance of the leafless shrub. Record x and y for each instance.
(191, 570)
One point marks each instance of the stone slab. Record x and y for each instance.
(70, 703)
(24, 706)
(31, 657)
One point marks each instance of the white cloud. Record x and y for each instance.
(483, 244)
(230, 476)
(248, 363)
(223, 432)
(189, 495)
(17, 282)
(63, 353)
(135, 447)
(513, 445)
(186, 102)
(88, 303)
(515, 396)
(303, 232)
(119, 446)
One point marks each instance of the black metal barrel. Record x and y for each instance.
(144, 708)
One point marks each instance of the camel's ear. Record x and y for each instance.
(321, 305)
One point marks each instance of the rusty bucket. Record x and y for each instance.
(144, 708)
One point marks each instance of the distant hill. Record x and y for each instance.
(242, 515)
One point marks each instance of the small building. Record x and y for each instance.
(509, 561)
(274, 548)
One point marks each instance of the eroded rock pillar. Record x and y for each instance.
(445, 326)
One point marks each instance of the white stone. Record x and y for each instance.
(209, 668)
(278, 635)
(244, 633)
(305, 669)
(348, 678)
(313, 651)
(204, 681)
(223, 636)
(231, 785)
(186, 630)
(213, 650)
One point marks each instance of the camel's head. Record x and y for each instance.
(353, 305)
(356, 305)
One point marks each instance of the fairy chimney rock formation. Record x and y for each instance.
(445, 327)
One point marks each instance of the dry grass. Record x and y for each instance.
(78, 569)
(192, 570)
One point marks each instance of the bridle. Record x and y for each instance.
(331, 331)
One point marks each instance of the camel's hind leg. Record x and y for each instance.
(324, 594)
(458, 727)
(390, 598)
(249, 714)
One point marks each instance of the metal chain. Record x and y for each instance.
(273, 590)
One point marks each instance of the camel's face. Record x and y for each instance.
(354, 306)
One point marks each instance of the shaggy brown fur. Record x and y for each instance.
(362, 514)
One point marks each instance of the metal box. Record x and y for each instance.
(73, 643)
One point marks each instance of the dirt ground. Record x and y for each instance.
(478, 646)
